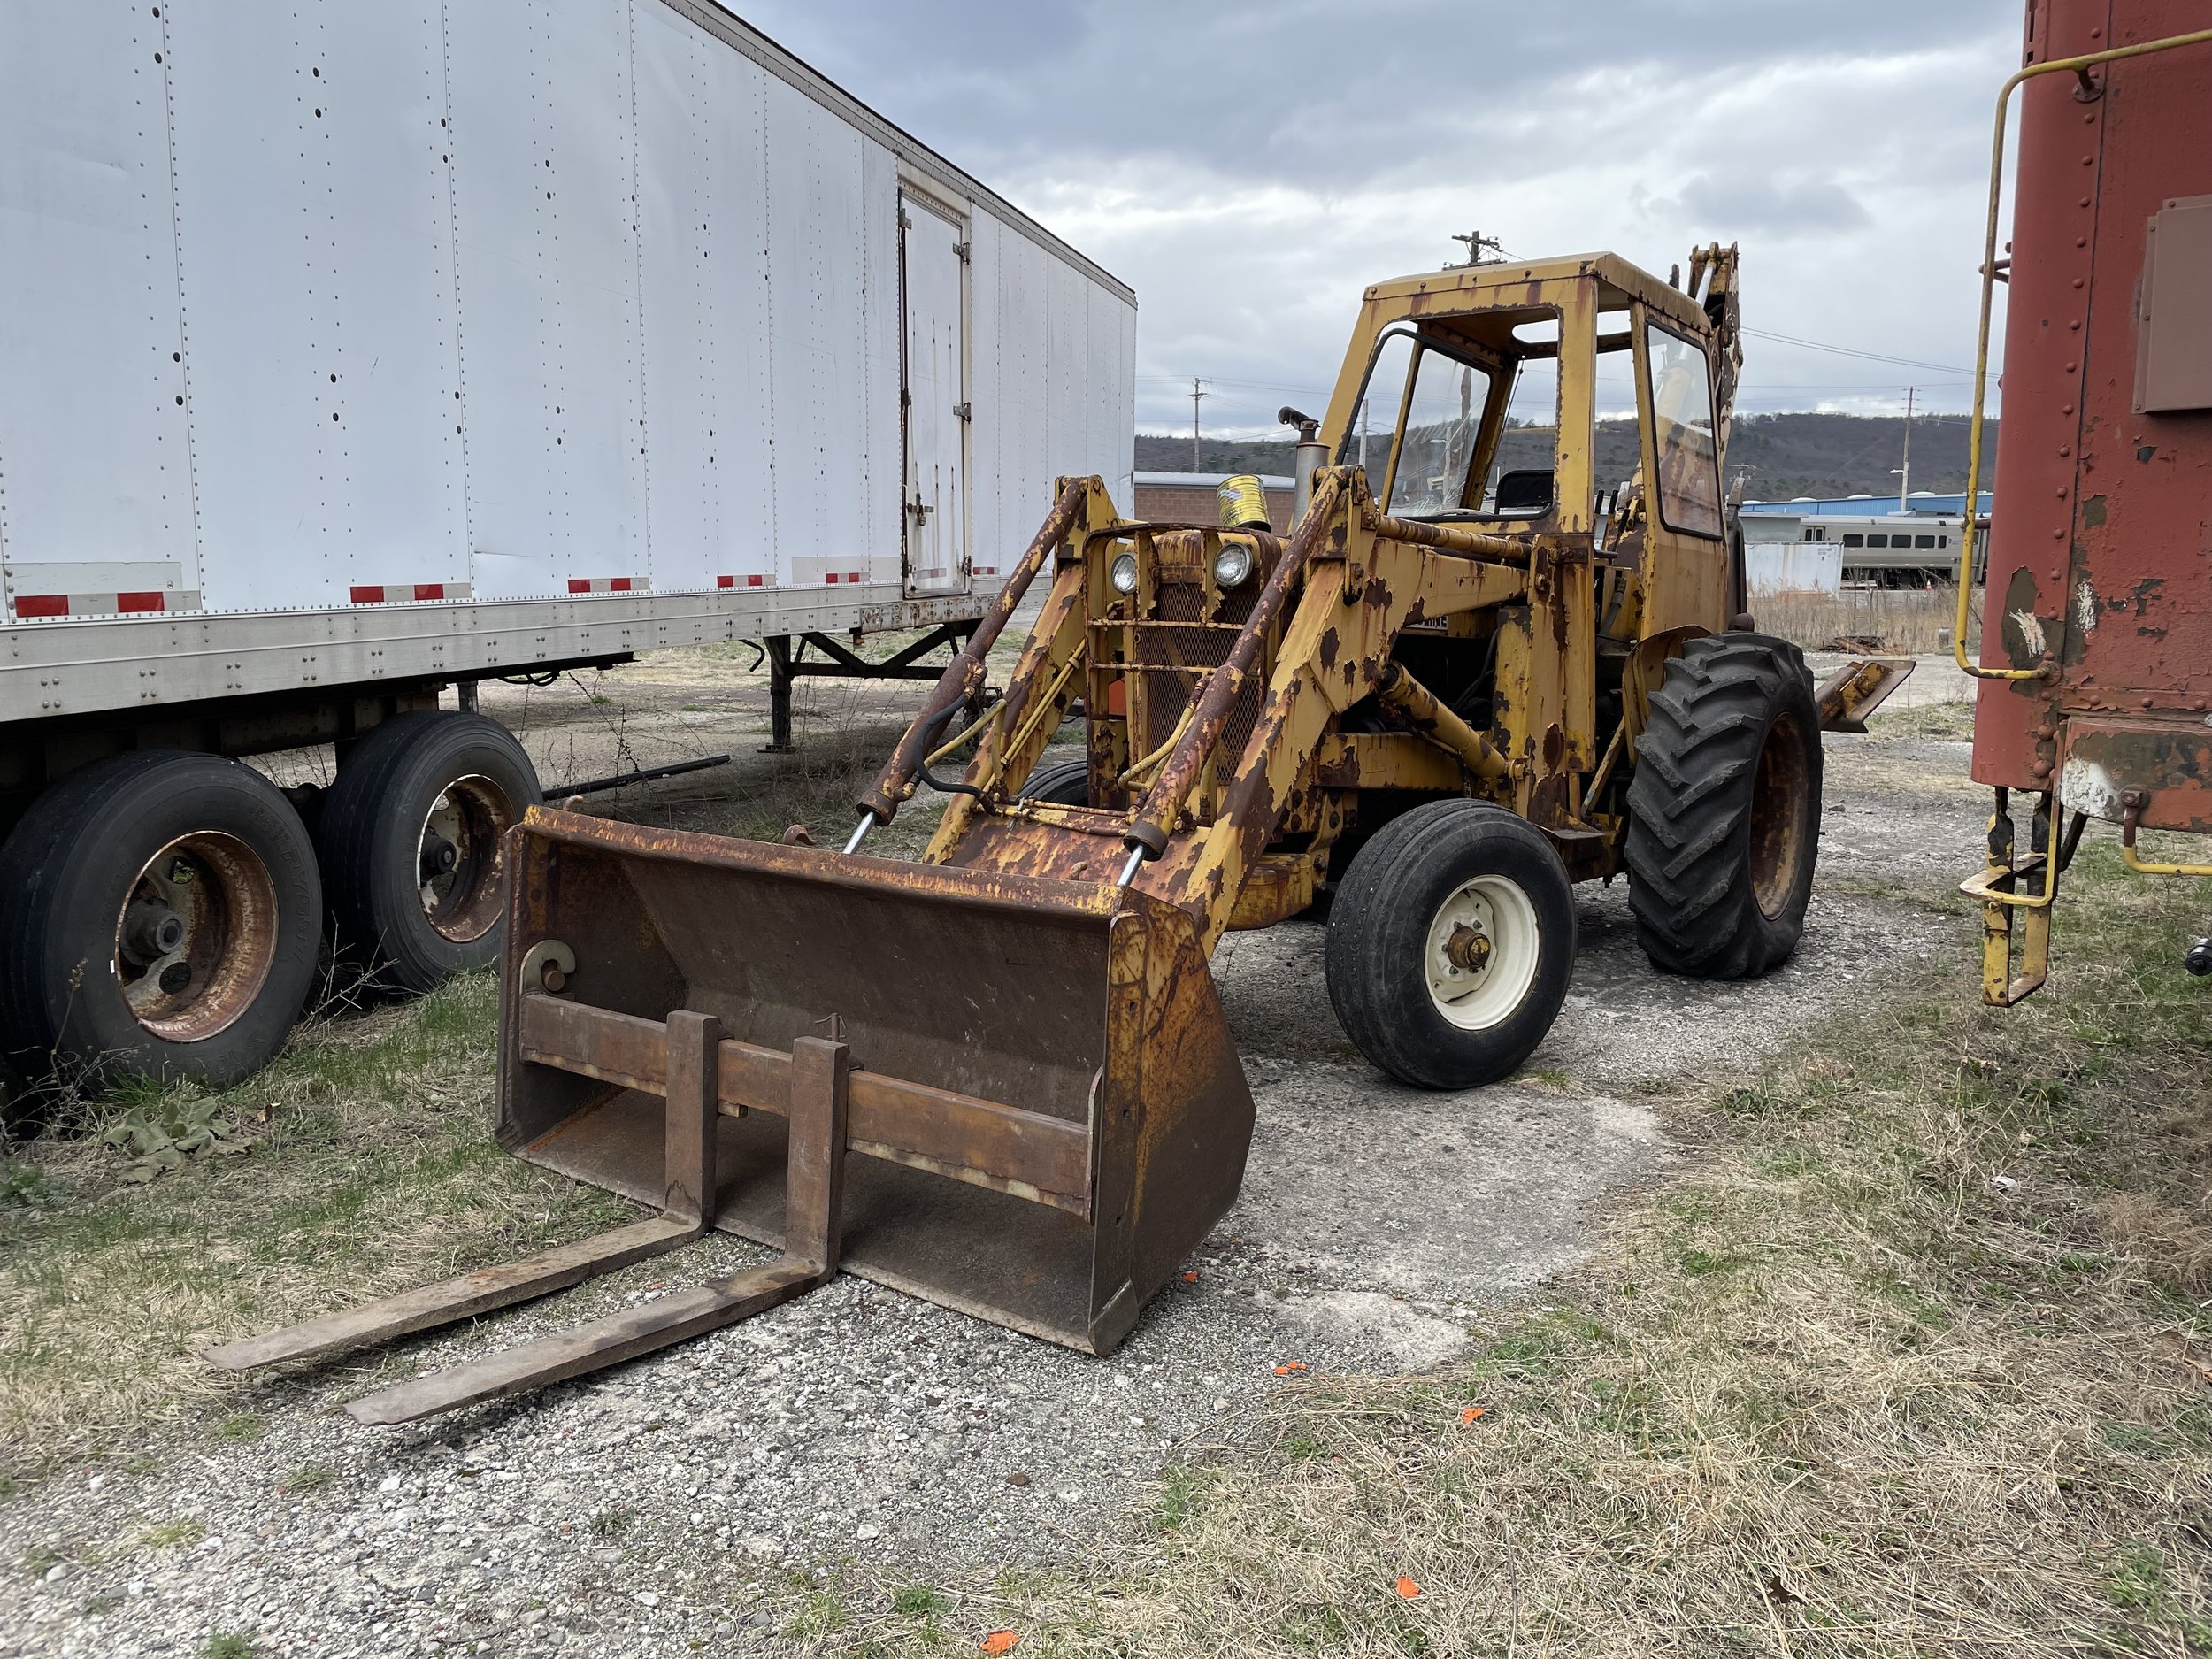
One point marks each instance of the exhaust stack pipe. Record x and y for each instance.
(1313, 455)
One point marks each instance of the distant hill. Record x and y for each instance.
(1788, 454)
(1851, 455)
(1158, 453)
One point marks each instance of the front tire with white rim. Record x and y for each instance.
(1451, 941)
(160, 914)
(411, 844)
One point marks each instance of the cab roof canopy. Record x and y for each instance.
(1527, 287)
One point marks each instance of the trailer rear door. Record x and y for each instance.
(934, 402)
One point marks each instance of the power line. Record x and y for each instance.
(1852, 351)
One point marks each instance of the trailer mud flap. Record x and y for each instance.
(1049, 1110)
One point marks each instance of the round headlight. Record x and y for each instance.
(1123, 573)
(1232, 563)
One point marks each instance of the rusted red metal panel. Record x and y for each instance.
(2100, 552)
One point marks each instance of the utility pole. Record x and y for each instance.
(1477, 245)
(1196, 392)
(1904, 472)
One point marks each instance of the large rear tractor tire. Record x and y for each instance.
(411, 843)
(1725, 809)
(160, 914)
(1450, 944)
(1061, 782)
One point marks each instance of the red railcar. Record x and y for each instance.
(2096, 694)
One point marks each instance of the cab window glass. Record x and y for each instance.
(1689, 449)
(1374, 424)
(1442, 421)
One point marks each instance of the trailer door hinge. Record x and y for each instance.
(963, 249)
(964, 411)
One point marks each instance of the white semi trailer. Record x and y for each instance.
(349, 353)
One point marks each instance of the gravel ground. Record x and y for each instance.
(857, 1441)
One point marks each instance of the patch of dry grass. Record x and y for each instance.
(373, 1169)
(1953, 720)
(1901, 618)
(1917, 1362)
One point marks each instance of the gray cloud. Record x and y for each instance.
(1754, 204)
(1248, 166)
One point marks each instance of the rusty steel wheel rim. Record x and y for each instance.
(458, 857)
(196, 936)
(1780, 816)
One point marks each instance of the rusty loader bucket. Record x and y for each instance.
(1014, 1096)
(1047, 1112)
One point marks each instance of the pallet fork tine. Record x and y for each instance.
(814, 1167)
(818, 1091)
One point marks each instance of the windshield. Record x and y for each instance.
(1425, 418)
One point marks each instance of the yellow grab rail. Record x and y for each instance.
(2133, 803)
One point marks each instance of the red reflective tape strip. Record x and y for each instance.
(757, 581)
(621, 584)
(41, 604)
(726, 581)
(367, 596)
(429, 590)
(139, 601)
(579, 585)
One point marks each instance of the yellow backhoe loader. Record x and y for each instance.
(1473, 673)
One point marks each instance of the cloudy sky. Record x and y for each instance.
(1249, 168)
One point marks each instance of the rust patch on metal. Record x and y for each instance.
(2022, 630)
(1547, 801)
(2167, 761)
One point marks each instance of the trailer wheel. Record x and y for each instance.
(1723, 809)
(160, 914)
(1450, 944)
(1061, 782)
(411, 844)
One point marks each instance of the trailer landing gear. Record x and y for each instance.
(787, 661)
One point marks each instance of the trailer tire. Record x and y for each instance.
(160, 916)
(411, 789)
(1447, 878)
(1061, 782)
(1724, 809)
